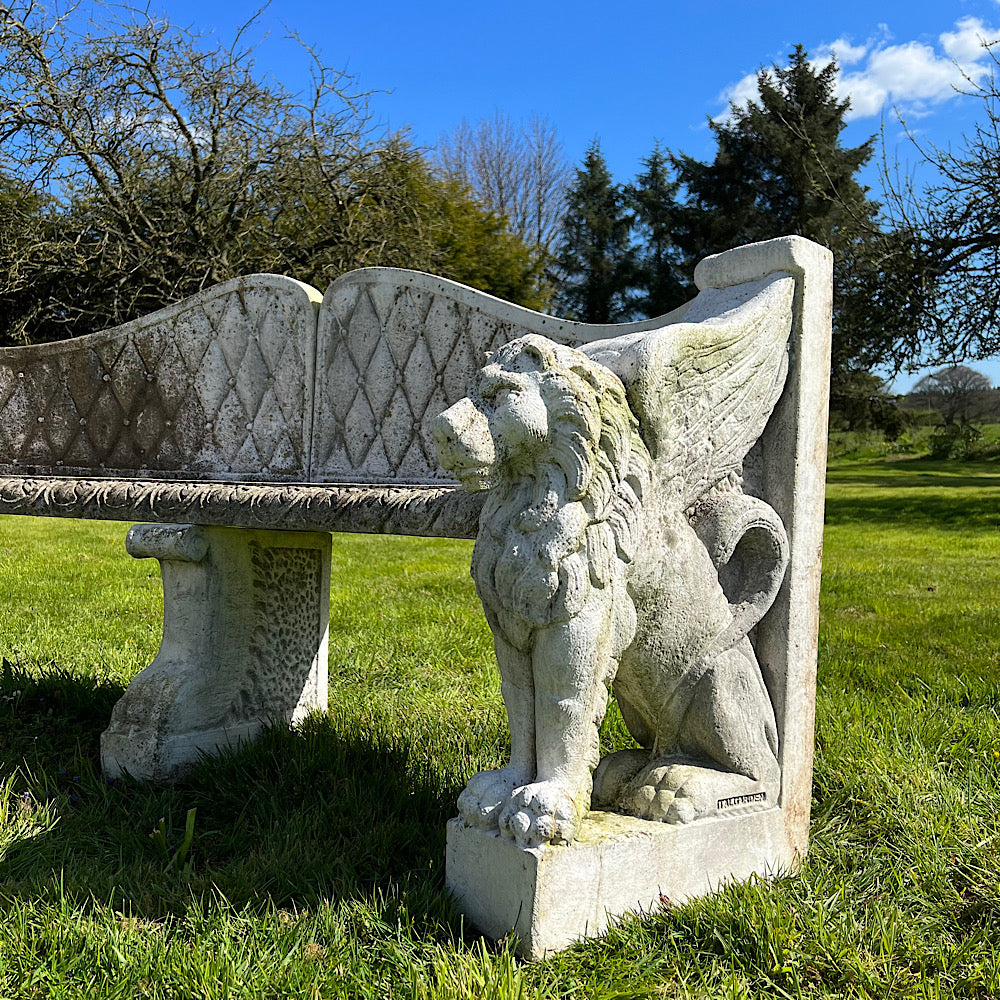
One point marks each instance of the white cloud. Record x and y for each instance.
(911, 76)
(739, 93)
(843, 51)
(965, 44)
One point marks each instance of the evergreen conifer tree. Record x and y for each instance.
(653, 201)
(595, 261)
(780, 168)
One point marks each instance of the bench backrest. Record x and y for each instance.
(262, 379)
(258, 379)
(216, 386)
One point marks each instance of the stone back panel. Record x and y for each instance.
(262, 379)
(397, 347)
(218, 386)
(394, 349)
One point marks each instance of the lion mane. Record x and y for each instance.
(570, 522)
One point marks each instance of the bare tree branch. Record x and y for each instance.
(953, 225)
(517, 171)
(170, 163)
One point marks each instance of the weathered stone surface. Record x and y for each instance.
(654, 494)
(551, 896)
(621, 542)
(787, 468)
(218, 386)
(394, 349)
(261, 379)
(550, 435)
(575, 602)
(245, 620)
(437, 511)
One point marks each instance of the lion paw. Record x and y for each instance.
(480, 803)
(541, 813)
(682, 793)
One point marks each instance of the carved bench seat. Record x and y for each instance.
(248, 421)
(243, 425)
(651, 515)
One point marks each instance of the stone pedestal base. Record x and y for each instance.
(245, 617)
(552, 896)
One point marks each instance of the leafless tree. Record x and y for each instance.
(517, 171)
(170, 163)
(960, 394)
(950, 232)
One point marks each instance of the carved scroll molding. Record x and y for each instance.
(446, 512)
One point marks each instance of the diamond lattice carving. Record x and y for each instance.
(234, 384)
(213, 387)
(395, 348)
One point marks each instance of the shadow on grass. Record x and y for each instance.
(920, 493)
(914, 480)
(921, 471)
(52, 720)
(916, 509)
(350, 805)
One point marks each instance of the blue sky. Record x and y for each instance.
(628, 74)
(655, 69)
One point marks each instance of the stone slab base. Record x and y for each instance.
(550, 896)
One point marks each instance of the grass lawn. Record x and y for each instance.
(315, 868)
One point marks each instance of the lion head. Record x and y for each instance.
(549, 432)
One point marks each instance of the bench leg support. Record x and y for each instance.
(245, 619)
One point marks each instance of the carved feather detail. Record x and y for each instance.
(704, 391)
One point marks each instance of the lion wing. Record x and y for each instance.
(704, 389)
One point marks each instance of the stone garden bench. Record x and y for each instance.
(244, 424)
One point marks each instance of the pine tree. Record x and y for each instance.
(595, 262)
(658, 274)
(780, 168)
